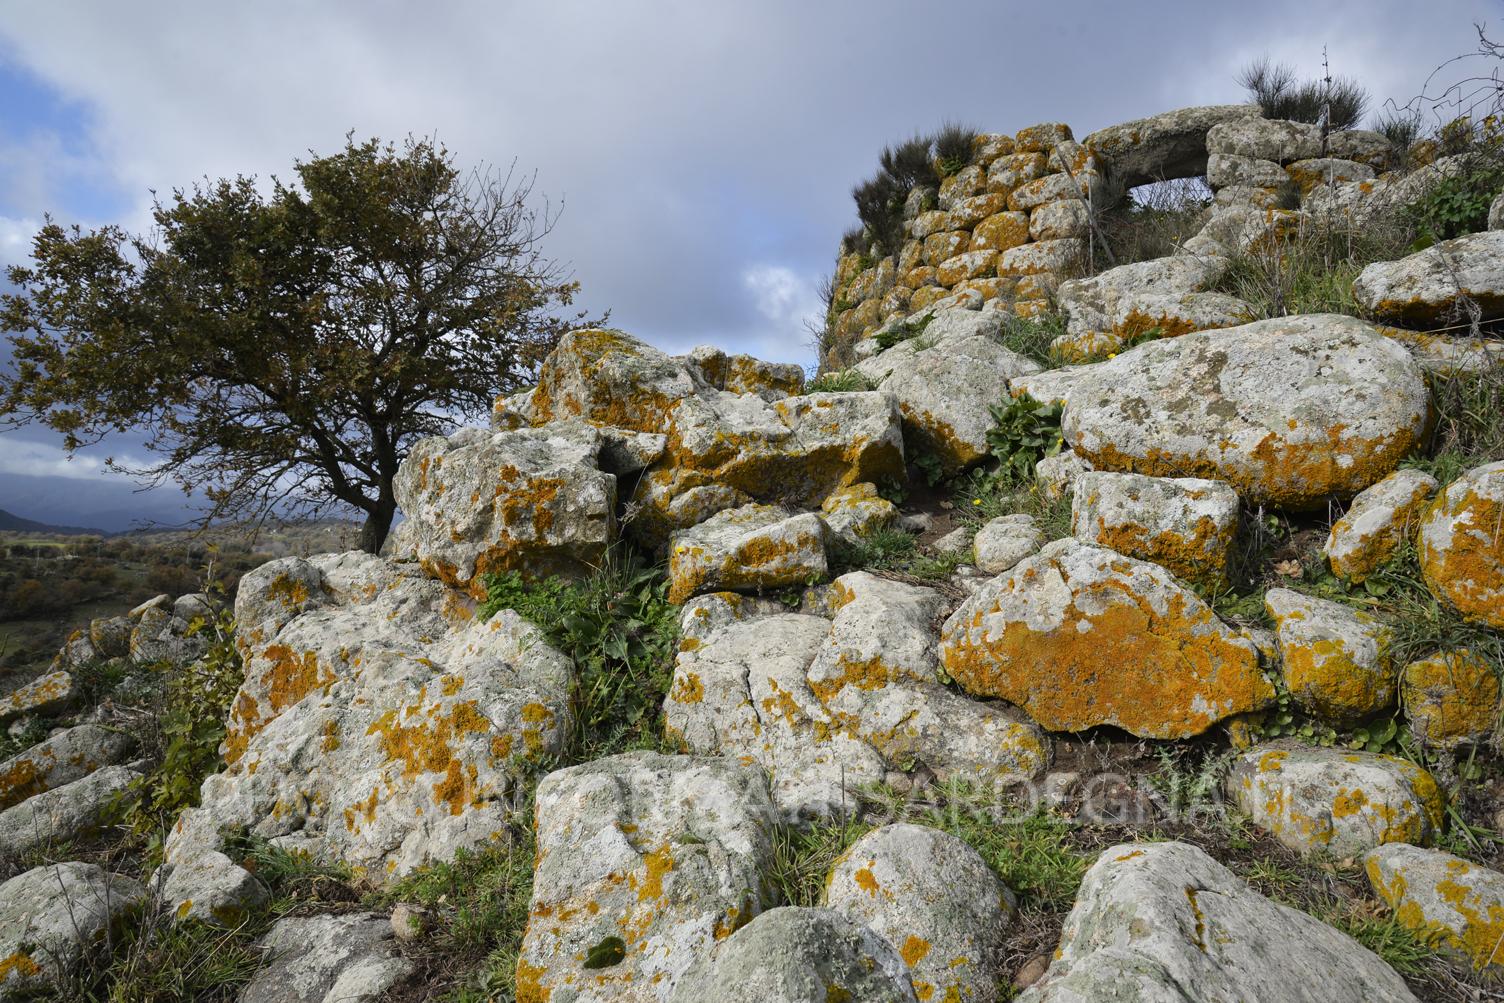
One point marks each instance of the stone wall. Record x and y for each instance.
(1013, 224)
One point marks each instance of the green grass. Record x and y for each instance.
(1031, 336)
(893, 550)
(621, 631)
(478, 908)
(841, 381)
(803, 858)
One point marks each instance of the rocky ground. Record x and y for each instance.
(1029, 658)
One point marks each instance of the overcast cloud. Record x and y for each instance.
(703, 151)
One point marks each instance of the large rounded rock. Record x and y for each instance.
(1335, 802)
(945, 379)
(1378, 521)
(1165, 922)
(1186, 524)
(51, 915)
(1290, 411)
(1080, 636)
(793, 955)
(349, 958)
(530, 500)
(1430, 286)
(381, 723)
(935, 900)
(1461, 545)
(1335, 659)
(645, 862)
(63, 758)
(1442, 898)
(1450, 698)
(827, 705)
(749, 548)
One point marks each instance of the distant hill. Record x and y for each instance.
(15, 524)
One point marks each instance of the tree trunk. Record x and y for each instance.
(377, 525)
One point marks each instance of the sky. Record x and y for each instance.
(703, 152)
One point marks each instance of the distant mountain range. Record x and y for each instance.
(15, 524)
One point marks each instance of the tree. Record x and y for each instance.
(282, 351)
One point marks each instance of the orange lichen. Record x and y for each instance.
(1277, 471)
(1461, 551)
(21, 964)
(1157, 674)
(914, 950)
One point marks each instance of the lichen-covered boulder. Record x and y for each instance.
(1001, 232)
(63, 813)
(1169, 316)
(1054, 257)
(1186, 524)
(935, 900)
(1010, 171)
(1378, 521)
(793, 955)
(746, 549)
(51, 915)
(46, 694)
(1287, 142)
(945, 380)
(1080, 636)
(1056, 475)
(1058, 220)
(744, 374)
(201, 882)
(1290, 411)
(345, 958)
(111, 636)
(381, 723)
(67, 756)
(827, 705)
(1003, 542)
(608, 377)
(1113, 298)
(530, 500)
(1443, 899)
(163, 631)
(1328, 171)
(1166, 922)
(1428, 287)
(1335, 659)
(856, 512)
(793, 451)
(1450, 698)
(741, 690)
(645, 862)
(1461, 545)
(1333, 801)
(1230, 171)
(1169, 145)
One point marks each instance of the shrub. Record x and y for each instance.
(189, 730)
(903, 330)
(908, 163)
(879, 205)
(1275, 90)
(1458, 203)
(953, 148)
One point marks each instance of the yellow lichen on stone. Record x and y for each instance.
(1461, 545)
(1450, 698)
